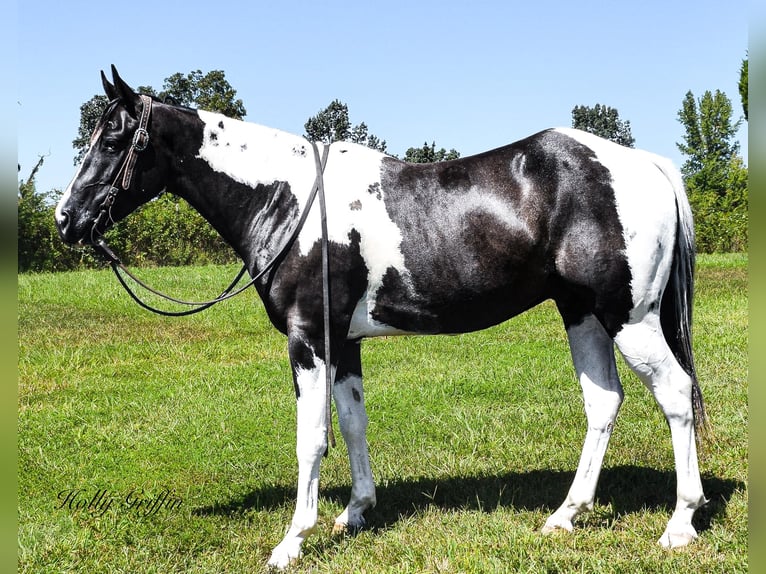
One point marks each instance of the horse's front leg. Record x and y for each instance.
(349, 400)
(310, 389)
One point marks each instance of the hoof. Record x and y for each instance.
(677, 539)
(552, 526)
(339, 529)
(282, 557)
(281, 562)
(344, 529)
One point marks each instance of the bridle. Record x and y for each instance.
(140, 143)
(125, 173)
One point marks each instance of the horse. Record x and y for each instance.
(603, 230)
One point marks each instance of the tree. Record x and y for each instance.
(604, 122)
(211, 92)
(429, 154)
(743, 86)
(33, 233)
(332, 124)
(709, 131)
(90, 112)
(714, 174)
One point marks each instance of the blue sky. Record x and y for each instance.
(469, 75)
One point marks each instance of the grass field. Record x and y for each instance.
(149, 444)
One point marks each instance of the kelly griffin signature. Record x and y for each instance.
(100, 501)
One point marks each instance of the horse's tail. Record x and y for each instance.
(677, 300)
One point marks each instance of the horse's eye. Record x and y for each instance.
(110, 146)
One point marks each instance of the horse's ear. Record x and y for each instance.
(109, 88)
(126, 94)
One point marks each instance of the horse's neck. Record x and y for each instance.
(246, 169)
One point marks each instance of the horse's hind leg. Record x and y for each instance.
(644, 348)
(593, 357)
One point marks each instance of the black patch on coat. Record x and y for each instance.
(489, 236)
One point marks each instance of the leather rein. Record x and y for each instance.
(122, 182)
(125, 173)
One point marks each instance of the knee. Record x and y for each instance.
(309, 449)
(353, 422)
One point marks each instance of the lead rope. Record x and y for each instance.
(325, 296)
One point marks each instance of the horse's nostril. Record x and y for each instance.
(63, 219)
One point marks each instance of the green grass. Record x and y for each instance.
(474, 441)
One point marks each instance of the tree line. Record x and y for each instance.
(167, 231)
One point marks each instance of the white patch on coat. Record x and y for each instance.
(251, 154)
(646, 206)
(356, 202)
(477, 200)
(363, 325)
(519, 167)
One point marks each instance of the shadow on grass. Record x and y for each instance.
(628, 488)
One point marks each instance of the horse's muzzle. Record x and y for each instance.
(66, 229)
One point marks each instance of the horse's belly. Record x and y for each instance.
(405, 316)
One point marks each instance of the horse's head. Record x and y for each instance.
(120, 171)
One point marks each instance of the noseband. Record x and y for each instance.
(140, 143)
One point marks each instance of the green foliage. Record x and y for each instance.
(39, 245)
(332, 124)
(743, 86)
(709, 131)
(715, 175)
(168, 232)
(90, 112)
(719, 198)
(211, 92)
(603, 121)
(429, 154)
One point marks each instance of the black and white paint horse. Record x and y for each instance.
(603, 230)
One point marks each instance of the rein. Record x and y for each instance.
(139, 144)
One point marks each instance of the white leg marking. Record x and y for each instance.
(310, 447)
(593, 357)
(352, 417)
(645, 350)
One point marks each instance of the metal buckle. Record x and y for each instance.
(140, 139)
(110, 197)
